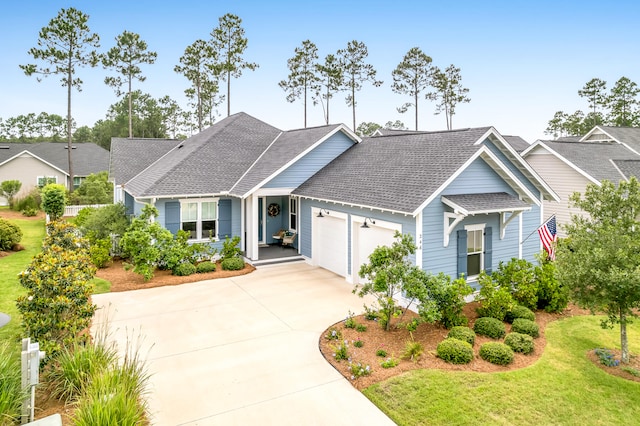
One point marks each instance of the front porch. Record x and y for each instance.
(274, 253)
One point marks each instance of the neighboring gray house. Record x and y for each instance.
(466, 196)
(568, 165)
(33, 164)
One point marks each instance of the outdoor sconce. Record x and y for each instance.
(325, 211)
(371, 221)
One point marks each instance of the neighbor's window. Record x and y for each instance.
(475, 249)
(199, 218)
(77, 181)
(293, 213)
(45, 180)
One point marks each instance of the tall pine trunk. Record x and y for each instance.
(69, 142)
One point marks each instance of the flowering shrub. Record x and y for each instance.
(341, 351)
(606, 357)
(389, 363)
(349, 322)
(333, 334)
(359, 369)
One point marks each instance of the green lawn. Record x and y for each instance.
(10, 266)
(562, 388)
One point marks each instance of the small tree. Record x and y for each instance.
(57, 309)
(600, 259)
(386, 274)
(54, 199)
(94, 189)
(9, 189)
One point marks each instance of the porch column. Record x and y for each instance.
(252, 227)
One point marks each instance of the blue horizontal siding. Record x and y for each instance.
(511, 166)
(312, 162)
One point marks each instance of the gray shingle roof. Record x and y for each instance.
(628, 167)
(628, 135)
(517, 143)
(210, 162)
(594, 157)
(287, 146)
(87, 158)
(396, 172)
(489, 202)
(131, 156)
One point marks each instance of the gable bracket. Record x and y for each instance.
(450, 226)
(504, 221)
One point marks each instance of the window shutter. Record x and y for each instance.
(224, 219)
(172, 216)
(488, 248)
(462, 252)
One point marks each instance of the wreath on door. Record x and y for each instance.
(273, 209)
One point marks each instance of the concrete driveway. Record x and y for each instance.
(243, 350)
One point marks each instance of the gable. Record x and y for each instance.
(477, 178)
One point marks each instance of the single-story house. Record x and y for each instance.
(568, 165)
(35, 164)
(466, 196)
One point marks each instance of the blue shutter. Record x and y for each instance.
(224, 219)
(172, 216)
(488, 248)
(462, 252)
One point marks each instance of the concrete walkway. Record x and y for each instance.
(243, 350)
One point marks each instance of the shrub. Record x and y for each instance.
(495, 301)
(54, 199)
(232, 264)
(449, 297)
(552, 295)
(32, 200)
(30, 212)
(381, 353)
(606, 357)
(97, 224)
(463, 333)
(370, 314)
(94, 189)
(74, 368)
(359, 369)
(57, 308)
(230, 248)
(11, 392)
(455, 351)
(358, 343)
(633, 371)
(412, 350)
(204, 267)
(518, 276)
(99, 252)
(361, 328)
(389, 363)
(341, 351)
(519, 311)
(184, 269)
(350, 322)
(525, 326)
(519, 342)
(81, 218)
(496, 353)
(333, 334)
(489, 327)
(10, 234)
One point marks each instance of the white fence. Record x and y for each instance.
(72, 211)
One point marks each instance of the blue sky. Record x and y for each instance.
(521, 61)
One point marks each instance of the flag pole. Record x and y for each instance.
(536, 230)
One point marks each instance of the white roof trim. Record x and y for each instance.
(362, 206)
(592, 131)
(37, 158)
(342, 127)
(541, 145)
(172, 196)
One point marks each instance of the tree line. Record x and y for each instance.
(616, 107)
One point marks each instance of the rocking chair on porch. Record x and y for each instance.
(288, 239)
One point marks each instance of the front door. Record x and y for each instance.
(260, 220)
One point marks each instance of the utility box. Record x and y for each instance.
(31, 357)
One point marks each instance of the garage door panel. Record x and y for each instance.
(330, 244)
(366, 241)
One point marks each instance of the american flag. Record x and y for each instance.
(548, 236)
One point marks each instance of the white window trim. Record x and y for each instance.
(293, 217)
(199, 201)
(45, 177)
(471, 228)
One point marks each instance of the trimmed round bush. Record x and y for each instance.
(519, 342)
(455, 351)
(519, 312)
(462, 333)
(496, 353)
(232, 264)
(525, 326)
(10, 234)
(490, 327)
(184, 269)
(204, 267)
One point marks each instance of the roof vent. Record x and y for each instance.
(180, 146)
(67, 147)
(4, 146)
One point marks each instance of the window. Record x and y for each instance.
(45, 180)
(77, 181)
(199, 218)
(475, 249)
(293, 213)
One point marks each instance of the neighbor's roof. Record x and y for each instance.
(286, 147)
(396, 172)
(517, 143)
(131, 156)
(625, 135)
(594, 158)
(628, 168)
(210, 162)
(87, 157)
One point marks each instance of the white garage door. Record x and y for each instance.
(330, 243)
(365, 241)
